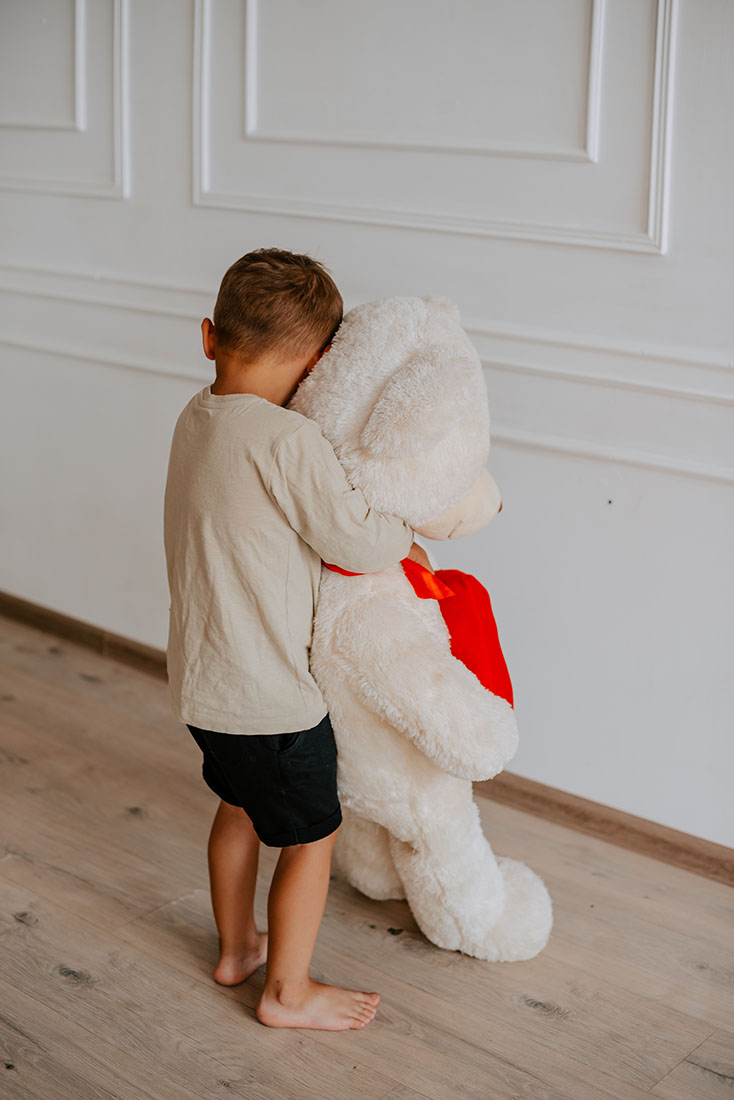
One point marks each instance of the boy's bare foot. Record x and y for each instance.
(233, 969)
(322, 1006)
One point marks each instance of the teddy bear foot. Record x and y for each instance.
(523, 929)
(362, 856)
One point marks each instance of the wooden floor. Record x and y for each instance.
(108, 939)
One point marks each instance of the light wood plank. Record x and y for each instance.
(68, 1062)
(110, 942)
(594, 1026)
(25, 762)
(192, 1031)
(629, 876)
(88, 674)
(403, 1093)
(60, 715)
(628, 919)
(706, 1074)
(92, 874)
(692, 853)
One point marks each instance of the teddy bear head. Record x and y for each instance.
(401, 397)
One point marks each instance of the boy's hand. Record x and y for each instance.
(417, 553)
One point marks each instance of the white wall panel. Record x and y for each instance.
(329, 162)
(64, 109)
(556, 168)
(50, 92)
(403, 76)
(613, 587)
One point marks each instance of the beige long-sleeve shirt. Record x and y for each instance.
(255, 498)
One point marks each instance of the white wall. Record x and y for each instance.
(562, 170)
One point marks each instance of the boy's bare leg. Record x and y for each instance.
(233, 852)
(295, 907)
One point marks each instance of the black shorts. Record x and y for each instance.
(285, 782)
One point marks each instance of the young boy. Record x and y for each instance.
(255, 498)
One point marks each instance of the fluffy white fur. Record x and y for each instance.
(401, 398)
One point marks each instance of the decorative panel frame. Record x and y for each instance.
(118, 186)
(651, 237)
(79, 65)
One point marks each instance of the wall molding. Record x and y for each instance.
(191, 303)
(588, 153)
(511, 350)
(80, 65)
(652, 351)
(662, 125)
(115, 291)
(609, 381)
(42, 282)
(691, 853)
(628, 456)
(652, 240)
(501, 434)
(119, 187)
(122, 361)
(121, 93)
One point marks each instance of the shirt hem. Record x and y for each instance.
(226, 722)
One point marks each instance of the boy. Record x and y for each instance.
(255, 498)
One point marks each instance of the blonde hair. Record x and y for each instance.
(273, 300)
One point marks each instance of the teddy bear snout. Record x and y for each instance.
(474, 511)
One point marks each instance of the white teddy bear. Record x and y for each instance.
(401, 397)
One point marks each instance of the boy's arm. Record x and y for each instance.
(309, 485)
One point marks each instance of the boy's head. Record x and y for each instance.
(276, 304)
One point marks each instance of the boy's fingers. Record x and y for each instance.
(417, 553)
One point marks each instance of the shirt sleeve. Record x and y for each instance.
(310, 487)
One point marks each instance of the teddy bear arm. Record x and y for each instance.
(405, 677)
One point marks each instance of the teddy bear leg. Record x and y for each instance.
(464, 899)
(525, 925)
(362, 855)
(452, 882)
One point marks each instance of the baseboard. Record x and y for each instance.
(691, 853)
(140, 656)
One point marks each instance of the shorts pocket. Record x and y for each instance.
(290, 740)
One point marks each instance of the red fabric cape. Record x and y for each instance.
(467, 612)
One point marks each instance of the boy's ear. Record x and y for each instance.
(421, 402)
(315, 358)
(208, 340)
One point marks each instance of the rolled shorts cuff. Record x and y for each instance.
(303, 834)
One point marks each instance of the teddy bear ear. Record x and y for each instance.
(421, 403)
